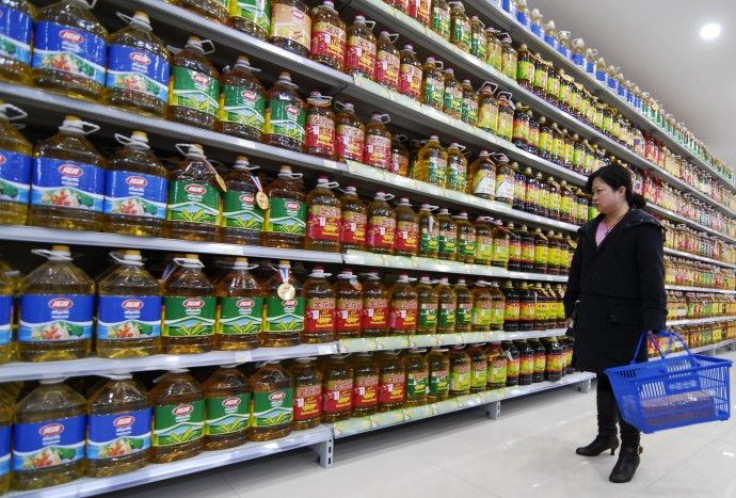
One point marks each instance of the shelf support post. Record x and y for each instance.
(493, 410)
(585, 386)
(325, 452)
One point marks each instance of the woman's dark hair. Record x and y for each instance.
(616, 176)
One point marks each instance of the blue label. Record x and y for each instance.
(600, 75)
(522, 18)
(537, 30)
(551, 40)
(6, 313)
(139, 71)
(507, 6)
(118, 435)
(127, 317)
(4, 449)
(564, 50)
(612, 83)
(68, 49)
(47, 444)
(55, 317)
(135, 194)
(590, 67)
(621, 91)
(15, 177)
(16, 28)
(68, 184)
(578, 59)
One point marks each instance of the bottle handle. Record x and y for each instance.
(319, 100)
(211, 49)
(186, 261)
(48, 254)
(393, 37)
(490, 84)
(19, 113)
(90, 128)
(384, 118)
(123, 140)
(388, 197)
(118, 258)
(371, 24)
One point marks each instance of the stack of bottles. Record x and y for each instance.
(686, 273)
(684, 305)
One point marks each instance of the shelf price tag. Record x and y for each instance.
(387, 419)
(389, 343)
(357, 345)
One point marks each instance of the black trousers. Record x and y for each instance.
(608, 415)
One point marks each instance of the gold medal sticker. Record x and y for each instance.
(286, 292)
(262, 200)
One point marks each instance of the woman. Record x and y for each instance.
(615, 293)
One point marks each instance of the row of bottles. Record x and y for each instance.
(686, 273)
(685, 239)
(684, 305)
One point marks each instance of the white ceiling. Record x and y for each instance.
(657, 45)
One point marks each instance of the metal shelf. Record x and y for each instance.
(681, 219)
(703, 259)
(88, 486)
(696, 321)
(699, 289)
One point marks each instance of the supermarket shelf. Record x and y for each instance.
(681, 219)
(710, 348)
(360, 425)
(699, 289)
(703, 259)
(697, 321)
(88, 486)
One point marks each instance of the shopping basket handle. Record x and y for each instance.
(671, 335)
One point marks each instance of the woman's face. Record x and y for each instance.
(605, 199)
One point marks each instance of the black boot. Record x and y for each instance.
(628, 462)
(600, 444)
(607, 431)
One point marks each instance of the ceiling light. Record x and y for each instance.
(710, 31)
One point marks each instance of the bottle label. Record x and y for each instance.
(505, 125)
(458, 176)
(178, 424)
(484, 183)
(526, 365)
(512, 368)
(227, 414)
(555, 362)
(504, 187)
(6, 315)
(49, 443)
(521, 130)
(499, 313)
(286, 119)
(541, 254)
(434, 92)
(441, 21)
(540, 362)
(128, 317)
(466, 245)
(388, 66)
(240, 210)
(118, 435)
(527, 311)
(194, 90)
(461, 32)
(525, 71)
(353, 228)
(16, 28)
(189, 316)
(15, 170)
(328, 40)
(348, 314)
(407, 236)
(482, 313)
(447, 241)
(307, 402)
(375, 313)
(410, 80)
(70, 50)
(284, 316)
(361, 55)
(512, 311)
(497, 372)
(428, 315)
(287, 216)
(323, 223)
(67, 184)
(5, 440)
(417, 384)
(470, 110)
(337, 396)
(240, 315)
(501, 251)
(135, 194)
(365, 391)
(460, 378)
(291, 23)
(484, 248)
(137, 70)
(321, 133)
(53, 317)
(320, 316)
(350, 142)
(447, 312)
(479, 375)
(393, 388)
(429, 241)
(257, 12)
(399, 164)
(464, 314)
(488, 116)
(439, 382)
(381, 231)
(193, 203)
(420, 10)
(527, 252)
(452, 101)
(272, 408)
(403, 315)
(377, 151)
(242, 106)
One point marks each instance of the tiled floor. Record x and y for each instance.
(528, 452)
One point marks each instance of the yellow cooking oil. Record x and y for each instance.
(48, 436)
(239, 308)
(135, 189)
(56, 309)
(286, 217)
(319, 322)
(70, 50)
(7, 299)
(15, 165)
(68, 179)
(227, 397)
(323, 217)
(7, 407)
(179, 411)
(283, 313)
(307, 393)
(431, 164)
(189, 309)
(17, 33)
(118, 427)
(128, 309)
(216, 10)
(194, 85)
(242, 101)
(271, 410)
(242, 215)
(416, 366)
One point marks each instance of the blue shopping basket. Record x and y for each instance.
(672, 391)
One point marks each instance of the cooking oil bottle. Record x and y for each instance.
(497, 367)
(464, 314)
(452, 100)
(447, 302)
(128, 309)
(118, 427)
(283, 314)
(431, 165)
(242, 212)
(433, 84)
(48, 436)
(360, 56)
(348, 305)
(137, 67)
(69, 179)
(388, 63)
(15, 165)
(319, 323)
(457, 168)
(7, 408)
(329, 37)
(392, 387)
(323, 217)
(213, 9)
(366, 380)
(403, 307)
(428, 302)
(307, 393)
(194, 85)
(381, 228)
(251, 17)
(447, 242)
(416, 367)
(179, 413)
(70, 50)
(337, 389)
(478, 368)
(227, 400)
(17, 32)
(429, 232)
(320, 122)
(242, 110)
(56, 309)
(240, 308)
(466, 238)
(482, 177)
(286, 218)
(482, 307)
(194, 208)
(353, 220)
(407, 230)
(377, 152)
(7, 325)
(460, 371)
(135, 189)
(272, 409)
(410, 76)
(285, 115)
(375, 320)
(349, 133)
(439, 375)
(189, 309)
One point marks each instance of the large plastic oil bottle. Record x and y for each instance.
(353, 220)
(428, 302)
(16, 30)
(283, 314)
(307, 393)
(381, 229)
(68, 179)
(7, 321)
(128, 309)
(337, 388)
(431, 164)
(323, 217)
(406, 242)
(319, 324)
(403, 307)
(56, 309)
(417, 377)
(243, 205)
(70, 50)
(15, 165)
(272, 409)
(227, 397)
(138, 67)
(179, 415)
(429, 232)
(217, 10)
(118, 427)
(48, 436)
(375, 306)
(242, 102)
(439, 375)
(240, 308)
(286, 218)
(348, 305)
(286, 115)
(366, 381)
(448, 307)
(136, 186)
(194, 85)
(7, 407)
(189, 309)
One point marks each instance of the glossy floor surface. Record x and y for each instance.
(528, 452)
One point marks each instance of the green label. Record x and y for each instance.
(458, 176)
(464, 315)
(286, 119)
(256, 11)
(484, 248)
(461, 32)
(239, 210)
(427, 315)
(227, 414)
(178, 424)
(478, 44)
(441, 21)
(525, 71)
(187, 316)
(446, 316)
(434, 92)
(240, 315)
(193, 203)
(453, 101)
(417, 384)
(460, 380)
(194, 90)
(479, 378)
(482, 313)
(439, 382)
(272, 408)
(447, 242)
(287, 216)
(497, 372)
(429, 241)
(466, 247)
(242, 106)
(437, 171)
(284, 316)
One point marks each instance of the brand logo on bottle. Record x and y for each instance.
(124, 421)
(71, 36)
(277, 396)
(193, 303)
(140, 58)
(290, 304)
(201, 79)
(245, 303)
(195, 189)
(2, 159)
(247, 198)
(183, 410)
(248, 95)
(292, 206)
(70, 170)
(136, 181)
(230, 402)
(51, 430)
(60, 303)
(297, 14)
(132, 304)
(292, 109)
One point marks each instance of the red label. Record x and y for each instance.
(321, 133)
(381, 232)
(407, 236)
(377, 151)
(365, 391)
(410, 81)
(393, 388)
(337, 396)
(328, 40)
(361, 55)
(399, 164)
(348, 315)
(375, 313)
(323, 223)
(307, 402)
(350, 142)
(353, 228)
(403, 315)
(387, 69)
(320, 315)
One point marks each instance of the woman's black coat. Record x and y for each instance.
(619, 288)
